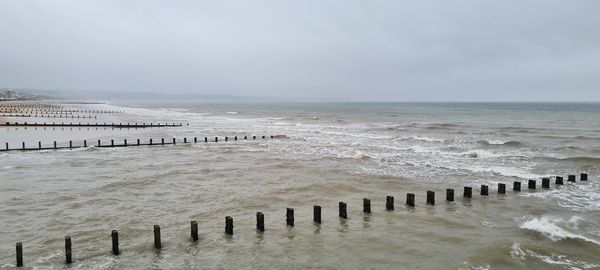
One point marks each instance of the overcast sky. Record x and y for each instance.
(443, 50)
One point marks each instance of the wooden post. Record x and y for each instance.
(23, 145)
(289, 217)
(245, 137)
(6, 146)
(468, 192)
(19, 254)
(389, 203)
(228, 225)
(501, 188)
(68, 257)
(484, 190)
(342, 210)
(545, 182)
(184, 139)
(157, 242)
(174, 141)
(84, 143)
(150, 141)
(584, 177)
(571, 178)
(115, 242)
(216, 139)
(449, 194)
(263, 137)
(226, 139)
(112, 142)
(366, 205)
(162, 141)
(430, 197)
(235, 138)
(531, 184)
(138, 142)
(410, 199)
(40, 145)
(517, 186)
(254, 137)
(54, 144)
(205, 139)
(194, 230)
(125, 142)
(559, 180)
(260, 222)
(195, 139)
(70, 144)
(317, 214)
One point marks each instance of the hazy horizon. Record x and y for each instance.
(426, 51)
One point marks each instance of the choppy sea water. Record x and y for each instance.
(322, 154)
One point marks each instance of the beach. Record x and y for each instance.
(320, 154)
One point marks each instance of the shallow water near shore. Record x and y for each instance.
(321, 154)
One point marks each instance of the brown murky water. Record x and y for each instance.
(330, 153)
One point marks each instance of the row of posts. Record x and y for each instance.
(138, 143)
(289, 216)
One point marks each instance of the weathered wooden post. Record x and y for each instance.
(125, 142)
(531, 184)
(68, 257)
(19, 254)
(205, 139)
(559, 180)
(501, 188)
(54, 144)
(584, 177)
(184, 139)
(157, 242)
(245, 137)
(112, 142)
(366, 205)
(571, 178)
(84, 143)
(39, 145)
(449, 194)
(150, 141)
(317, 214)
(430, 197)
(162, 141)
(115, 242)
(174, 141)
(289, 217)
(194, 230)
(342, 210)
(263, 137)
(254, 137)
(6, 146)
(468, 192)
(195, 139)
(226, 139)
(545, 182)
(138, 142)
(216, 139)
(235, 138)
(260, 221)
(517, 186)
(389, 203)
(484, 190)
(23, 145)
(410, 199)
(228, 225)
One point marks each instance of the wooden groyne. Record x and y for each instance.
(72, 116)
(317, 219)
(125, 143)
(79, 124)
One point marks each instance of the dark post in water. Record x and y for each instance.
(559, 180)
(531, 184)
(366, 205)
(449, 194)
(516, 186)
(228, 225)
(501, 188)
(484, 190)
(342, 210)
(410, 199)
(430, 197)
(260, 222)
(289, 217)
(583, 177)
(317, 214)
(115, 242)
(389, 203)
(468, 192)
(194, 230)
(157, 242)
(545, 182)
(19, 254)
(571, 178)
(68, 257)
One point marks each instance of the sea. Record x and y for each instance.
(320, 154)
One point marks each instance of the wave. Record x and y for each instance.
(424, 139)
(550, 228)
(478, 154)
(500, 142)
(583, 160)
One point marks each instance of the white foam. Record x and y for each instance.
(550, 228)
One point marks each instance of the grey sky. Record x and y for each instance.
(358, 50)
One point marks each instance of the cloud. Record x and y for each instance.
(359, 50)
